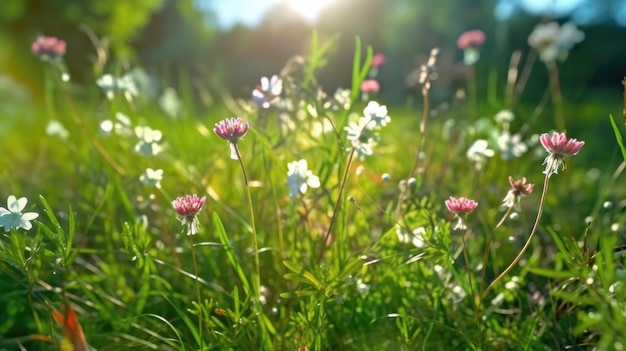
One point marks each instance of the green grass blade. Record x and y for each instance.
(618, 136)
(221, 233)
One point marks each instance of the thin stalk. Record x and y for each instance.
(488, 245)
(523, 79)
(472, 91)
(512, 75)
(420, 147)
(94, 141)
(557, 98)
(422, 131)
(342, 185)
(29, 296)
(255, 245)
(475, 299)
(195, 272)
(530, 237)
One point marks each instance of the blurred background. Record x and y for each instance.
(230, 44)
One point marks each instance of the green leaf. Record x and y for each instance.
(296, 294)
(551, 273)
(618, 137)
(294, 267)
(230, 254)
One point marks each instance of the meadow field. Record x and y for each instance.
(301, 218)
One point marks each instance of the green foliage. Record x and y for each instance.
(365, 257)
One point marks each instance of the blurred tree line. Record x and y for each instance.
(173, 37)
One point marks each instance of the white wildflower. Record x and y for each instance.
(268, 92)
(416, 237)
(149, 140)
(12, 217)
(362, 138)
(554, 41)
(300, 178)
(504, 117)
(170, 103)
(376, 113)
(55, 128)
(479, 152)
(511, 146)
(152, 177)
(121, 125)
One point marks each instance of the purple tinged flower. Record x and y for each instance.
(370, 86)
(188, 207)
(519, 189)
(378, 60)
(469, 42)
(460, 207)
(48, 48)
(471, 38)
(558, 147)
(268, 92)
(231, 129)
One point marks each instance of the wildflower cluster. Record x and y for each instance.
(554, 41)
(334, 211)
(363, 135)
(300, 178)
(268, 91)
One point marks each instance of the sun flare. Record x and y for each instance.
(309, 9)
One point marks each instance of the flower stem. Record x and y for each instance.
(257, 265)
(195, 272)
(255, 245)
(342, 185)
(475, 298)
(530, 237)
(472, 92)
(488, 245)
(420, 147)
(557, 98)
(78, 120)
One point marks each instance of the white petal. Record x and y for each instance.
(25, 224)
(265, 84)
(303, 188)
(19, 205)
(29, 216)
(4, 211)
(313, 181)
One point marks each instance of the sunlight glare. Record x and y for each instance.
(309, 9)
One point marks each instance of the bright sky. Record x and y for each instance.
(251, 12)
(581, 11)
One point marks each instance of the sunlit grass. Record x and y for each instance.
(367, 260)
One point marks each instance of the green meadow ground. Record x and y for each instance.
(393, 274)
